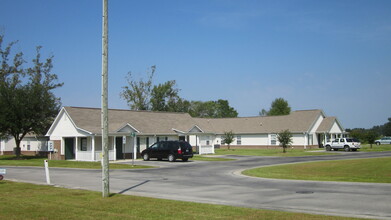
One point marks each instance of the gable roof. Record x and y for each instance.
(327, 124)
(144, 121)
(296, 122)
(167, 123)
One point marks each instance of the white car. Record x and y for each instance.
(384, 140)
(343, 143)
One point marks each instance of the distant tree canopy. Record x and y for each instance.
(143, 95)
(27, 101)
(212, 109)
(367, 135)
(278, 107)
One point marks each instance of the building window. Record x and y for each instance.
(273, 139)
(222, 140)
(28, 146)
(238, 140)
(83, 144)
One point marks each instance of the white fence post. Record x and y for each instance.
(47, 172)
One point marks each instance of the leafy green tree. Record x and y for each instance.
(285, 139)
(164, 97)
(138, 92)
(263, 112)
(387, 128)
(279, 107)
(370, 137)
(228, 138)
(358, 133)
(27, 103)
(223, 110)
(212, 109)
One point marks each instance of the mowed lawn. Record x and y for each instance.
(39, 161)
(375, 148)
(373, 170)
(29, 201)
(290, 152)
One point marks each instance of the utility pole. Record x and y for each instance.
(104, 113)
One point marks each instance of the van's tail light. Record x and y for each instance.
(179, 151)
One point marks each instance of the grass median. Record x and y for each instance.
(210, 158)
(39, 162)
(373, 170)
(276, 152)
(29, 201)
(375, 148)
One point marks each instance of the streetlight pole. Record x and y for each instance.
(104, 112)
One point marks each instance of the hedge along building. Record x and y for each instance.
(76, 132)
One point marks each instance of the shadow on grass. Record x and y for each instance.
(22, 157)
(132, 187)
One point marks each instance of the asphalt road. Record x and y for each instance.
(222, 183)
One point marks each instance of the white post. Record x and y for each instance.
(115, 147)
(134, 148)
(77, 149)
(305, 140)
(93, 148)
(47, 171)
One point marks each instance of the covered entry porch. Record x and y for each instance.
(90, 148)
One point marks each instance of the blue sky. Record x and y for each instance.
(317, 54)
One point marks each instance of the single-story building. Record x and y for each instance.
(76, 132)
(31, 144)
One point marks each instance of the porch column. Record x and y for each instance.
(324, 139)
(115, 147)
(305, 140)
(77, 148)
(93, 148)
(134, 147)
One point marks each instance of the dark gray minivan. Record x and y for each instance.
(171, 150)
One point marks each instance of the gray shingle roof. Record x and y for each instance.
(326, 124)
(144, 121)
(147, 122)
(297, 121)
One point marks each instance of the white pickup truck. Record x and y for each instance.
(343, 143)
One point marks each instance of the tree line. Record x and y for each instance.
(370, 135)
(142, 94)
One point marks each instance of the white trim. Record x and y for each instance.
(128, 125)
(178, 131)
(195, 126)
(56, 121)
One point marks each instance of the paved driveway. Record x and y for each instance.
(221, 183)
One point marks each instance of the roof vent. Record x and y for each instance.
(260, 124)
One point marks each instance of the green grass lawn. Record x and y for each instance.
(373, 170)
(295, 152)
(375, 148)
(39, 161)
(29, 201)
